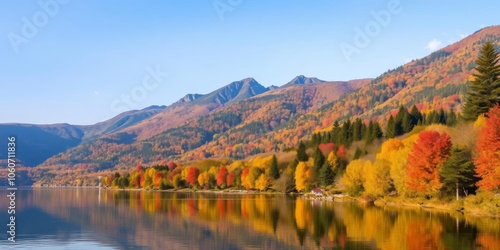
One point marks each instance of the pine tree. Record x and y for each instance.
(376, 131)
(319, 161)
(451, 118)
(326, 175)
(485, 87)
(358, 153)
(442, 116)
(390, 131)
(415, 115)
(406, 123)
(274, 171)
(301, 152)
(357, 129)
(399, 120)
(458, 172)
(368, 136)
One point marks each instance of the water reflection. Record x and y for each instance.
(161, 220)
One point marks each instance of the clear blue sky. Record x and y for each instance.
(85, 55)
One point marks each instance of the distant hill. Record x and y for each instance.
(36, 143)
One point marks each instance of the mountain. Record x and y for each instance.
(119, 122)
(36, 143)
(301, 80)
(233, 92)
(245, 118)
(201, 123)
(188, 98)
(199, 105)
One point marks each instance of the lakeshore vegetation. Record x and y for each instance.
(420, 157)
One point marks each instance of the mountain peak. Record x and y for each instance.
(301, 79)
(188, 98)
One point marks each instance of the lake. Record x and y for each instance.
(68, 218)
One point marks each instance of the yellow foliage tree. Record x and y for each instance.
(301, 176)
(262, 182)
(479, 123)
(353, 178)
(332, 160)
(203, 179)
(377, 181)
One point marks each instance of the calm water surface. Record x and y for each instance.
(112, 219)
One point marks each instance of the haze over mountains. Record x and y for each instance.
(245, 118)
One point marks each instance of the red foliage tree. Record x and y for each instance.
(230, 179)
(326, 148)
(221, 176)
(341, 152)
(192, 176)
(429, 153)
(157, 179)
(488, 147)
(171, 165)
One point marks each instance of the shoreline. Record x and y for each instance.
(336, 198)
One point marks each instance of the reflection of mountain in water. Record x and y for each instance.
(160, 220)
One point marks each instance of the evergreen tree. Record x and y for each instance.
(399, 120)
(368, 137)
(293, 165)
(406, 123)
(376, 131)
(458, 172)
(390, 131)
(274, 171)
(326, 175)
(485, 87)
(301, 152)
(357, 130)
(451, 118)
(319, 161)
(415, 115)
(358, 153)
(442, 116)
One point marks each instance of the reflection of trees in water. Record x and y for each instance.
(222, 220)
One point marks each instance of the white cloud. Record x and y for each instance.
(96, 93)
(434, 44)
(462, 36)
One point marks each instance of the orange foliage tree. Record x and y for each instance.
(429, 153)
(488, 147)
(192, 176)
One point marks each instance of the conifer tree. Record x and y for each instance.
(406, 123)
(415, 115)
(458, 171)
(376, 131)
(485, 87)
(301, 152)
(319, 161)
(326, 175)
(274, 171)
(390, 132)
(451, 118)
